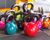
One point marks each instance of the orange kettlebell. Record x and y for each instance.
(24, 0)
(46, 23)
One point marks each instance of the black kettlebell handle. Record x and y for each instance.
(32, 16)
(15, 5)
(27, 4)
(10, 17)
(28, 16)
(7, 16)
(9, 12)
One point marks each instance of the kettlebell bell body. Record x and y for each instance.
(39, 23)
(30, 29)
(2, 25)
(10, 28)
(46, 23)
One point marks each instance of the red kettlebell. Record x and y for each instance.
(25, 24)
(30, 29)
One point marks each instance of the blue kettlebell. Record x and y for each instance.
(10, 27)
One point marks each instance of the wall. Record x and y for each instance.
(6, 4)
(17, 2)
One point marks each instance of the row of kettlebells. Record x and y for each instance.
(26, 21)
(30, 22)
(27, 9)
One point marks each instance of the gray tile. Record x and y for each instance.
(21, 36)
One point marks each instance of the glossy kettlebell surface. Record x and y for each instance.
(46, 23)
(2, 25)
(30, 29)
(10, 28)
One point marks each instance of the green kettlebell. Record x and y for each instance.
(19, 16)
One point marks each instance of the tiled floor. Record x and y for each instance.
(47, 31)
(20, 36)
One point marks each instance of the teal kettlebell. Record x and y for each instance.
(10, 27)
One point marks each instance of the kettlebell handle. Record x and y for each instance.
(15, 5)
(8, 17)
(26, 16)
(25, 4)
(9, 12)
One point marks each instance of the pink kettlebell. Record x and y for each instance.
(2, 25)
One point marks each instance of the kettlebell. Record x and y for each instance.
(30, 29)
(19, 19)
(27, 18)
(18, 12)
(2, 23)
(39, 23)
(10, 27)
(18, 16)
(46, 23)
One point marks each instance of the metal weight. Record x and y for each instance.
(28, 25)
(18, 15)
(2, 23)
(19, 19)
(10, 27)
(46, 22)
